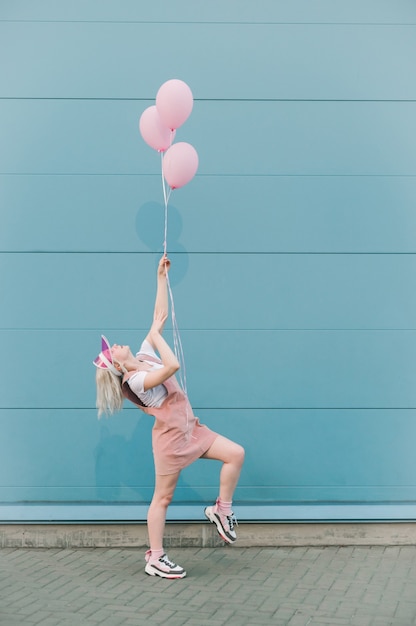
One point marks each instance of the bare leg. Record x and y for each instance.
(232, 456)
(156, 516)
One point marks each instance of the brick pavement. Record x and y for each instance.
(300, 586)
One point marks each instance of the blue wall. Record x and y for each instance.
(293, 250)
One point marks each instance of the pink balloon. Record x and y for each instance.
(154, 131)
(180, 164)
(174, 102)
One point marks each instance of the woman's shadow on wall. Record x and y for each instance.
(126, 461)
(124, 468)
(150, 228)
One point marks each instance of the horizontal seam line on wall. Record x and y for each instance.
(216, 175)
(151, 98)
(208, 22)
(212, 252)
(213, 330)
(217, 330)
(267, 486)
(225, 408)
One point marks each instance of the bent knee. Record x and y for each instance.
(239, 454)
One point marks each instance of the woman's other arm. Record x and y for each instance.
(170, 364)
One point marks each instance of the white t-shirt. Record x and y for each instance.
(156, 395)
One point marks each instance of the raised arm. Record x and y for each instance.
(161, 302)
(154, 337)
(161, 309)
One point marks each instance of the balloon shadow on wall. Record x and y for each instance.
(150, 228)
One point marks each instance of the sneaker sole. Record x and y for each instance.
(220, 530)
(153, 571)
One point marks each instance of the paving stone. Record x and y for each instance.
(365, 586)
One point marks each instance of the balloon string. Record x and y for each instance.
(177, 343)
(166, 201)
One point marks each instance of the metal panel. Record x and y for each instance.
(294, 61)
(232, 138)
(216, 214)
(217, 11)
(286, 369)
(294, 457)
(251, 291)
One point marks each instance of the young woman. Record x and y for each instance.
(178, 437)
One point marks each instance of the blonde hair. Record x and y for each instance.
(109, 394)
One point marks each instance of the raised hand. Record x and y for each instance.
(164, 266)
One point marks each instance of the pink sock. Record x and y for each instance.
(154, 555)
(224, 508)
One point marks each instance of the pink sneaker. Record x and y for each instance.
(224, 523)
(163, 567)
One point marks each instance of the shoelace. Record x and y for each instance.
(232, 521)
(164, 559)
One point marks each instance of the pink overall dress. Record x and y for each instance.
(178, 438)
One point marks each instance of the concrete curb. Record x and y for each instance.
(204, 536)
